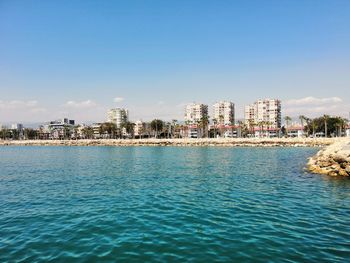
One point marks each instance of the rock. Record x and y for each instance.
(342, 172)
(333, 173)
(339, 159)
(347, 169)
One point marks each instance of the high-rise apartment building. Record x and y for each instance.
(264, 110)
(195, 112)
(224, 112)
(118, 116)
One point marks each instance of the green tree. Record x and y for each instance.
(244, 129)
(30, 134)
(222, 124)
(88, 132)
(302, 119)
(129, 128)
(157, 126)
(108, 129)
(251, 124)
(325, 120)
(173, 127)
(215, 122)
(287, 120)
(5, 133)
(203, 124)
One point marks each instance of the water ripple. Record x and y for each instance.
(78, 204)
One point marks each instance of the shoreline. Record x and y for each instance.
(333, 159)
(205, 142)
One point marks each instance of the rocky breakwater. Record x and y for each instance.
(333, 160)
(207, 142)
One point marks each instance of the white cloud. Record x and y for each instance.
(87, 104)
(313, 101)
(313, 107)
(118, 99)
(38, 110)
(17, 104)
(21, 110)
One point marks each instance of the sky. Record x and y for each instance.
(77, 59)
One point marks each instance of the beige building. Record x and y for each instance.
(224, 112)
(142, 129)
(195, 112)
(264, 110)
(118, 116)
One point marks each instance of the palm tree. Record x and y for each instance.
(314, 127)
(251, 126)
(187, 124)
(109, 129)
(340, 125)
(215, 122)
(174, 124)
(156, 126)
(66, 132)
(325, 119)
(302, 118)
(203, 123)
(308, 125)
(243, 128)
(221, 121)
(287, 119)
(232, 124)
(88, 132)
(129, 128)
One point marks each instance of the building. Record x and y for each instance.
(224, 118)
(195, 114)
(267, 111)
(96, 128)
(224, 112)
(139, 129)
(118, 116)
(58, 129)
(295, 131)
(142, 129)
(347, 130)
(17, 126)
(17, 130)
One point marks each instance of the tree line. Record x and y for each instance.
(325, 125)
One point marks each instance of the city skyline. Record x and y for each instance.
(142, 57)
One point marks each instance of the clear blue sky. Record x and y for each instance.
(73, 58)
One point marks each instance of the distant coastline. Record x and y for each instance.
(219, 142)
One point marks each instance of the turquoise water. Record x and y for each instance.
(168, 204)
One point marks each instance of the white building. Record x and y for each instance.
(194, 114)
(19, 129)
(17, 126)
(60, 129)
(118, 116)
(347, 130)
(224, 112)
(264, 110)
(139, 128)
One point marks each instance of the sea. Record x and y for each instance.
(169, 204)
